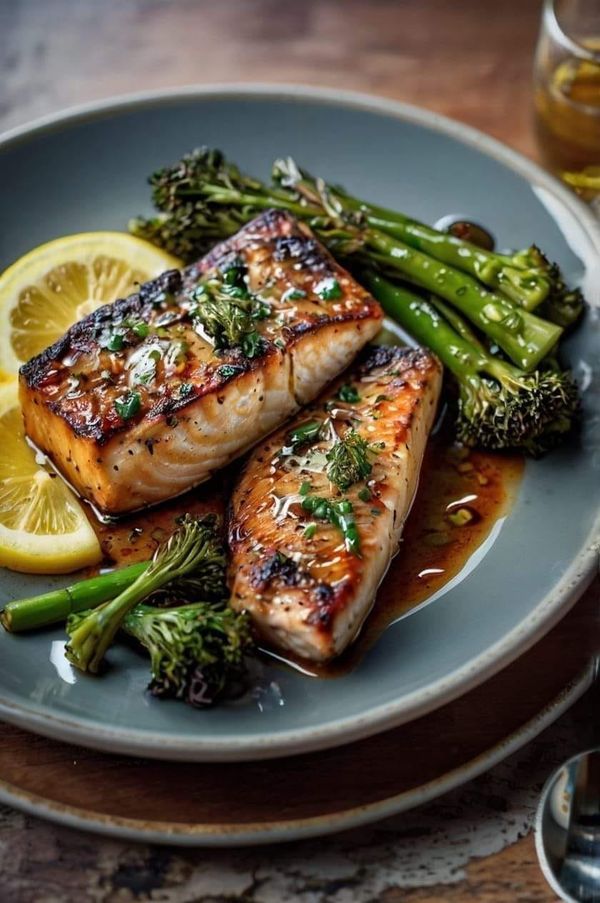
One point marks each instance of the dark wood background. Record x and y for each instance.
(469, 59)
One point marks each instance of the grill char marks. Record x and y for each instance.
(196, 407)
(82, 336)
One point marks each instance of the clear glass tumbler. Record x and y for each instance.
(567, 92)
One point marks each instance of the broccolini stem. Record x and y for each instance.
(191, 546)
(57, 605)
(214, 184)
(426, 325)
(523, 280)
(457, 323)
(525, 338)
(499, 406)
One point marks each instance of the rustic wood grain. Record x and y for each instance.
(470, 60)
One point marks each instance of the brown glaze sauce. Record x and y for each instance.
(434, 549)
(461, 496)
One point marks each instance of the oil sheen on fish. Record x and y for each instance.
(149, 396)
(318, 512)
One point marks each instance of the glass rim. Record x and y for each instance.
(559, 34)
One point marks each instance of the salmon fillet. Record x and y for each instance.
(149, 396)
(308, 553)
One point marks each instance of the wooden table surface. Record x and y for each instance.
(470, 60)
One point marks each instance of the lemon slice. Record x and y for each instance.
(58, 283)
(43, 529)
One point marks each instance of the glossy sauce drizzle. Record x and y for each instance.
(461, 497)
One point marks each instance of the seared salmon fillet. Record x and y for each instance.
(318, 512)
(149, 396)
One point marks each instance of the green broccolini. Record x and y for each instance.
(499, 406)
(194, 549)
(55, 606)
(196, 651)
(526, 276)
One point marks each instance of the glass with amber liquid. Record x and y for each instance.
(567, 92)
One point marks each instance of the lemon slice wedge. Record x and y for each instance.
(43, 528)
(58, 283)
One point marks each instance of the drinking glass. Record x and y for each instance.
(567, 92)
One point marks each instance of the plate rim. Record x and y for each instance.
(259, 834)
(386, 715)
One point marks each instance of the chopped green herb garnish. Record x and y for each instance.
(234, 280)
(305, 488)
(306, 432)
(227, 371)
(128, 405)
(226, 311)
(348, 394)
(348, 460)
(339, 513)
(114, 342)
(294, 294)
(382, 398)
(252, 344)
(365, 494)
(309, 531)
(141, 329)
(184, 390)
(329, 289)
(261, 311)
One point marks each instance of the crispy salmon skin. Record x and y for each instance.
(318, 512)
(149, 396)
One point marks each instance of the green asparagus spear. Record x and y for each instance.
(499, 405)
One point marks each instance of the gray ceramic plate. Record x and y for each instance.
(87, 171)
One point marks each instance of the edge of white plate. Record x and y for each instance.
(549, 611)
(254, 834)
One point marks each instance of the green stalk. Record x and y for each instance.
(424, 324)
(525, 276)
(525, 338)
(204, 189)
(499, 406)
(57, 605)
(520, 276)
(190, 548)
(457, 323)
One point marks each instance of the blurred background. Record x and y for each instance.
(467, 59)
